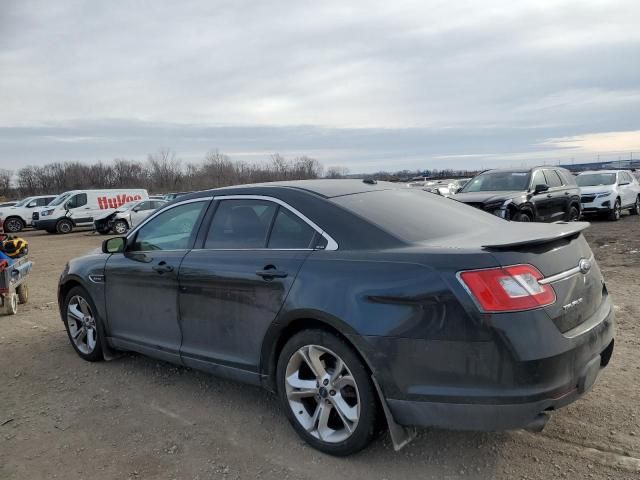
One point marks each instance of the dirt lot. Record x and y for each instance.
(134, 417)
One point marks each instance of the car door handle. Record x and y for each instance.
(162, 267)
(269, 273)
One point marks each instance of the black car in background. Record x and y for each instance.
(329, 293)
(540, 194)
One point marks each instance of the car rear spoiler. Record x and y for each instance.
(535, 233)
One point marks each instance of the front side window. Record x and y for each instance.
(290, 231)
(142, 206)
(43, 202)
(240, 224)
(77, 200)
(170, 230)
(538, 179)
(553, 180)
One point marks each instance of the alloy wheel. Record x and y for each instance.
(13, 225)
(82, 324)
(322, 393)
(120, 227)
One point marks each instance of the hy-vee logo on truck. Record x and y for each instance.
(117, 201)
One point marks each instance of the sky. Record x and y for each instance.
(366, 85)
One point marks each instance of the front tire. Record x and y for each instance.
(83, 324)
(616, 211)
(23, 293)
(13, 225)
(635, 210)
(327, 393)
(120, 227)
(64, 226)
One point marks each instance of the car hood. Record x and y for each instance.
(485, 197)
(597, 189)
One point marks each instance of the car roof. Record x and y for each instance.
(327, 188)
(602, 171)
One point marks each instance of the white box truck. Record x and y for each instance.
(78, 208)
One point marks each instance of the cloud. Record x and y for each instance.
(367, 84)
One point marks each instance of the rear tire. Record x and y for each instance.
(635, 210)
(327, 393)
(574, 214)
(616, 211)
(23, 293)
(522, 217)
(13, 225)
(64, 226)
(10, 304)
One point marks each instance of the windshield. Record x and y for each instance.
(415, 215)
(593, 179)
(59, 199)
(128, 206)
(498, 182)
(23, 202)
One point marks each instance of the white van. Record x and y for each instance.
(13, 219)
(78, 208)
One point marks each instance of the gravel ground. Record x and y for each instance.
(137, 418)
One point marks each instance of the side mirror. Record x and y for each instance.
(114, 245)
(540, 188)
(137, 209)
(31, 205)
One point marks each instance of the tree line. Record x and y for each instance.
(164, 172)
(161, 172)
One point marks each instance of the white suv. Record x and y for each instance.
(608, 192)
(13, 219)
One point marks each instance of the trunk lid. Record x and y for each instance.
(578, 293)
(556, 250)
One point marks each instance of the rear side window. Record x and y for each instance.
(290, 231)
(413, 215)
(240, 224)
(553, 180)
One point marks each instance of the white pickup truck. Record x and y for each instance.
(16, 218)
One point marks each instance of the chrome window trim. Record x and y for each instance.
(564, 275)
(166, 208)
(331, 243)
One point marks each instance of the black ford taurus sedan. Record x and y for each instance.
(357, 302)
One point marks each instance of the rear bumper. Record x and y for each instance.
(500, 384)
(491, 417)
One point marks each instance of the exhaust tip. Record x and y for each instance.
(537, 425)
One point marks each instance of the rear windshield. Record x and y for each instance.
(594, 179)
(498, 182)
(415, 215)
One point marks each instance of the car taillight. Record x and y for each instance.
(508, 289)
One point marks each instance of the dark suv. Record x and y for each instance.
(540, 194)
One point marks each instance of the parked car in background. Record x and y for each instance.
(8, 204)
(172, 196)
(456, 185)
(127, 216)
(79, 208)
(329, 293)
(608, 192)
(540, 194)
(17, 217)
(156, 197)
